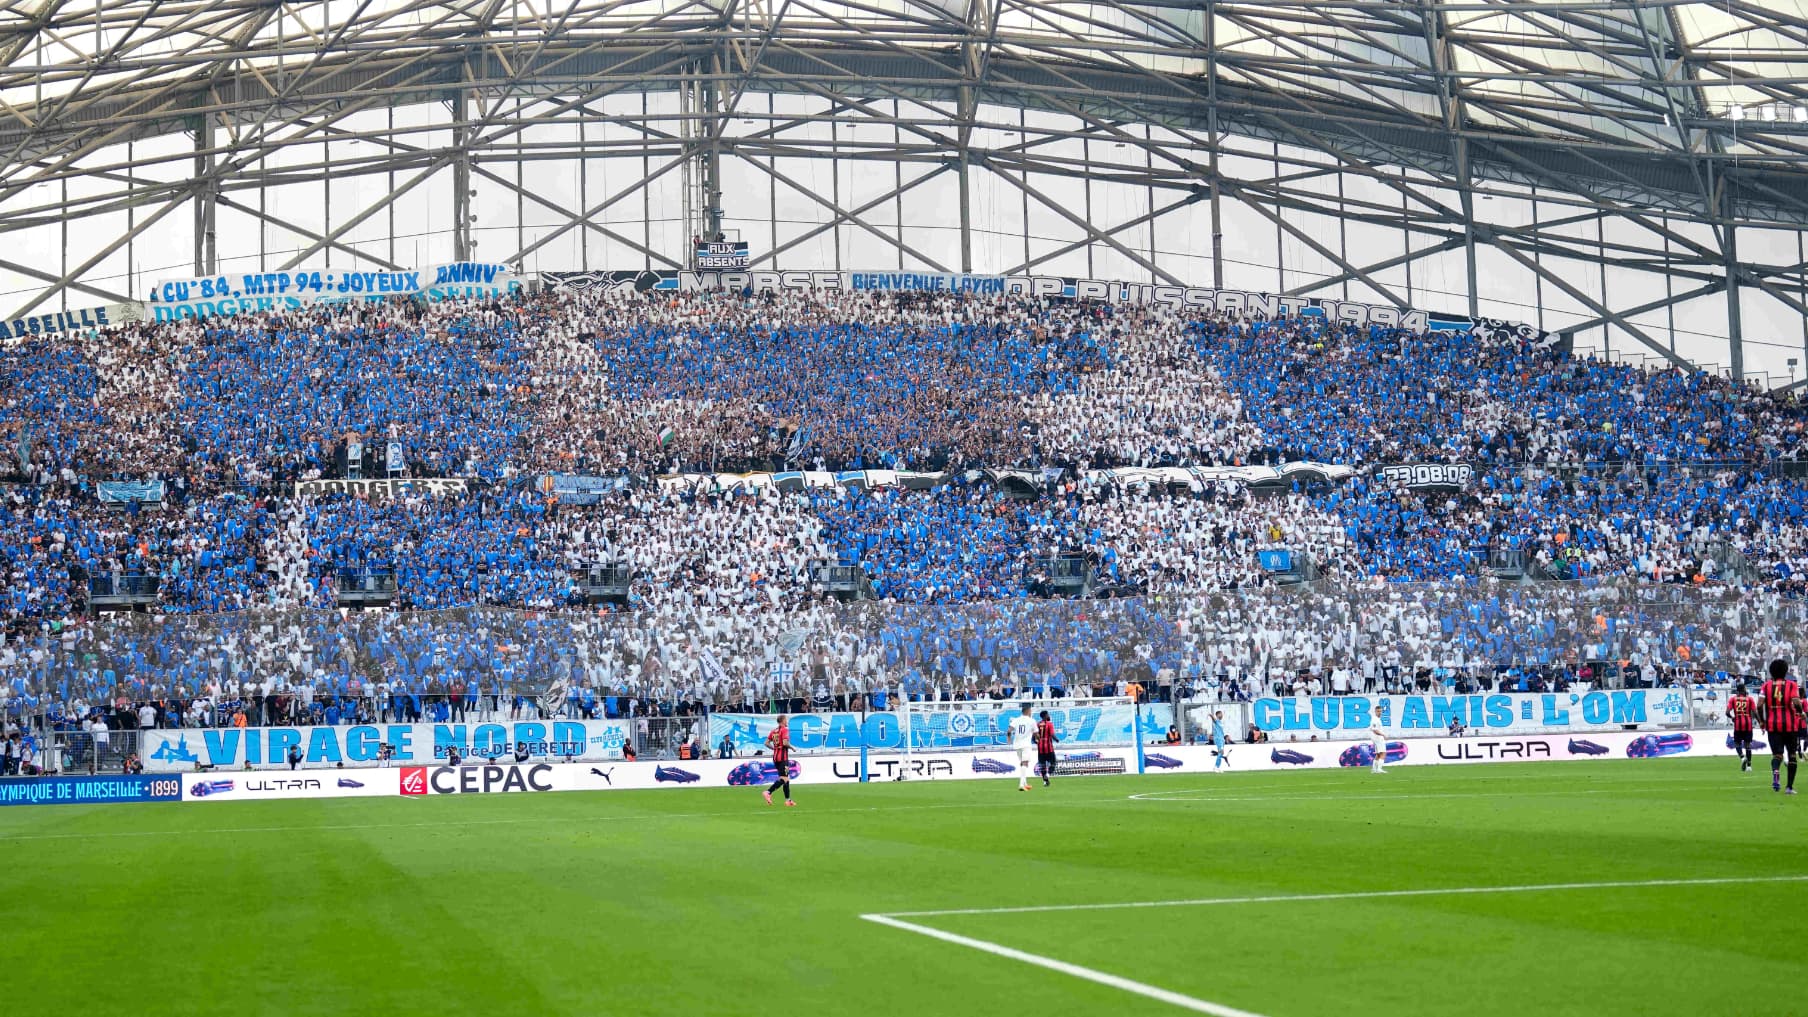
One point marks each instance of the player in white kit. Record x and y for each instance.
(1378, 744)
(1023, 741)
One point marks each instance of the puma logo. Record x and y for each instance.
(605, 775)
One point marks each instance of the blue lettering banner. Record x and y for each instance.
(251, 293)
(1077, 725)
(138, 787)
(121, 491)
(1493, 713)
(354, 745)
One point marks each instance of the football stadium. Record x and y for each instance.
(904, 507)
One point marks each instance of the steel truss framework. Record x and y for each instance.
(1569, 161)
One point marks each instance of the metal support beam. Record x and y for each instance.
(1303, 237)
(1075, 245)
(1669, 300)
(581, 220)
(38, 273)
(842, 213)
(1735, 326)
(301, 231)
(205, 197)
(1093, 232)
(462, 211)
(850, 216)
(1592, 304)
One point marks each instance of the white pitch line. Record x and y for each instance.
(1450, 891)
(1154, 992)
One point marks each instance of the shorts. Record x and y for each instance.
(1023, 757)
(784, 767)
(1790, 741)
(1741, 735)
(1046, 760)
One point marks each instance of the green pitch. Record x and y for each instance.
(708, 902)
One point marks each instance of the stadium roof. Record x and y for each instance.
(1674, 122)
(1634, 98)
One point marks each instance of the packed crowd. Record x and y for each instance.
(1589, 470)
(669, 660)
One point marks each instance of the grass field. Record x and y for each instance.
(708, 902)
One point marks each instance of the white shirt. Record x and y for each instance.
(1023, 732)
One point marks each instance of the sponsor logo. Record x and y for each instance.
(471, 780)
(1288, 756)
(414, 780)
(1364, 754)
(1160, 761)
(673, 774)
(891, 769)
(281, 785)
(73, 790)
(565, 749)
(348, 782)
(1584, 747)
(607, 775)
(176, 753)
(1530, 748)
(983, 764)
(203, 788)
(1072, 763)
(761, 772)
(1653, 745)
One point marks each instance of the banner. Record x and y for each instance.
(1203, 300)
(722, 254)
(125, 787)
(236, 748)
(572, 489)
(1429, 477)
(268, 784)
(753, 773)
(293, 289)
(710, 668)
(1495, 713)
(1186, 476)
(1500, 329)
(1077, 726)
(84, 320)
(437, 486)
(1318, 755)
(119, 492)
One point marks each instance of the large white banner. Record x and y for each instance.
(356, 745)
(987, 724)
(254, 292)
(1509, 748)
(399, 487)
(1181, 760)
(1493, 713)
(86, 319)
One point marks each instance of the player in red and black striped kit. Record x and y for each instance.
(1742, 710)
(1780, 701)
(1045, 748)
(779, 741)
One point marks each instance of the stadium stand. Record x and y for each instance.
(1664, 512)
